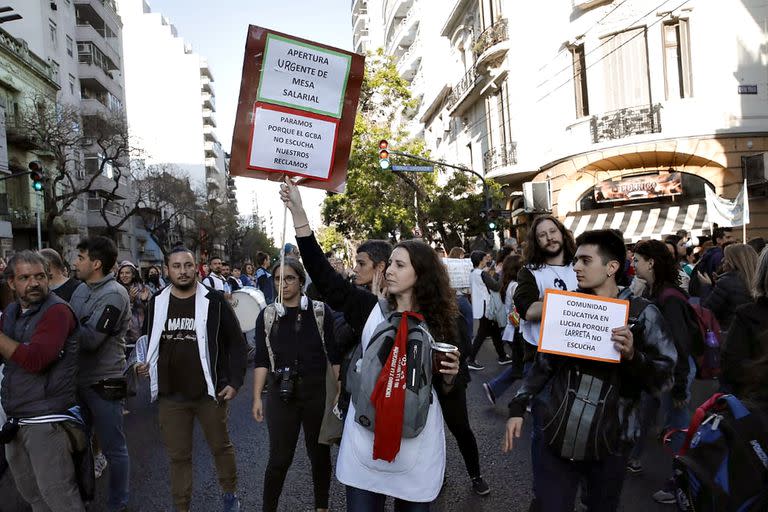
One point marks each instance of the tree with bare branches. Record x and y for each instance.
(81, 153)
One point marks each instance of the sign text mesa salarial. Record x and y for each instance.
(303, 76)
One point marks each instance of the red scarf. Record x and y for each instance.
(388, 397)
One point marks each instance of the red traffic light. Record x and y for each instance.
(383, 154)
(383, 144)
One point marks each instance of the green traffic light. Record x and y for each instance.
(491, 225)
(38, 185)
(384, 163)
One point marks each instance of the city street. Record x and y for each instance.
(508, 475)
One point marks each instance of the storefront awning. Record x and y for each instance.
(644, 222)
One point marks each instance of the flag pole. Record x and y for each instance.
(745, 213)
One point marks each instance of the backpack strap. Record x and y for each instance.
(270, 315)
(318, 308)
(698, 417)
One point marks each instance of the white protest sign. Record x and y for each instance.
(579, 325)
(303, 76)
(287, 142)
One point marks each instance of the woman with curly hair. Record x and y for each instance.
(374, 465)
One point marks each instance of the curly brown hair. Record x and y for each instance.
(433, 296)
(533, 254)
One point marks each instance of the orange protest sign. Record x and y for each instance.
(579, 325)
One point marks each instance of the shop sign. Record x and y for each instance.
(633, 188)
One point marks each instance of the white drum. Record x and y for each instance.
(248, 303)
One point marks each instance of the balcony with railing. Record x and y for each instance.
(209, 101)
(404, 33)
(491, 42)
(626, 122)
(208, 117)
(22, 52)
(205, 70)
(462, 89)
(211, 165)
(98, 10)
(394, 12)
(500, 156)
(205, 84)
(409, 63)
(104, 39)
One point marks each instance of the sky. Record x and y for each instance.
(217, 30)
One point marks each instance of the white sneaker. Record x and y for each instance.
(99, 464)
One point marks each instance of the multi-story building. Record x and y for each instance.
(173, 104)
(22, 74)
(81, 41)
(608, 113)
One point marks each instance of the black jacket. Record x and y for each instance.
(746, 342)
(683, 325)
(650, 370)
(728, 293)
(357, 303)
(226, 344)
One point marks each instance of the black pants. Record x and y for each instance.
(487, 328)
(284, 419)
(454, 406)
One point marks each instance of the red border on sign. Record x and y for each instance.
(297, 113)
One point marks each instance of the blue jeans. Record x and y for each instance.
(360, 500)
(105, 419)
(556, 480)
(504, 380)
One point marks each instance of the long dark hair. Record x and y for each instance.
(665, 269)
(534, 256)
(509, 269)
(432, 293)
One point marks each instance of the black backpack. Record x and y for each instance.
(580, 415)
(723, 465)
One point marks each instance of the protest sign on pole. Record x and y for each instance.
(579, 325)
(296, 111)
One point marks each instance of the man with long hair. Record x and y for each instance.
(548, 255)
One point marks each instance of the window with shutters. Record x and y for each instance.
(580, 80)
(625, 64)
(677, 60)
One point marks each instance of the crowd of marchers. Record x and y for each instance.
(378, 360)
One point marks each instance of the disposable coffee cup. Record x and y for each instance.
(439, 351)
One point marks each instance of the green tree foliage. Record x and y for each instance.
(392, 205)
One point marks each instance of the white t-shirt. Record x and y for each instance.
(480, 293)
(417, 472)
(555, 277)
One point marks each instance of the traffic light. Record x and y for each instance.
(384, 154)
(36, 175)
(492, 216)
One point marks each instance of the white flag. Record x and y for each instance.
(726, 213)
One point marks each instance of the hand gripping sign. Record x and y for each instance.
(296, 112)
(579, 325)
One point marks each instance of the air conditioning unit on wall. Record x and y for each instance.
(537, 196)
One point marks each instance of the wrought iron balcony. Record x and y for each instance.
(493, 35)
(467, 82)
(500, 156)
(626, 122)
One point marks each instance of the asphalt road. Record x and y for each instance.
(508, 475)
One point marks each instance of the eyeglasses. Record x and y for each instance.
(288, 279)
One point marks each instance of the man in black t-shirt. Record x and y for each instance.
(196, 363)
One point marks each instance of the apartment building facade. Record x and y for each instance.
(81, 42)
(171, 91)
(605, 113)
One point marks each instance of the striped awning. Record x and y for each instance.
(642, 223)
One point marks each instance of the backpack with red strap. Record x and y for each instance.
(723, 464)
